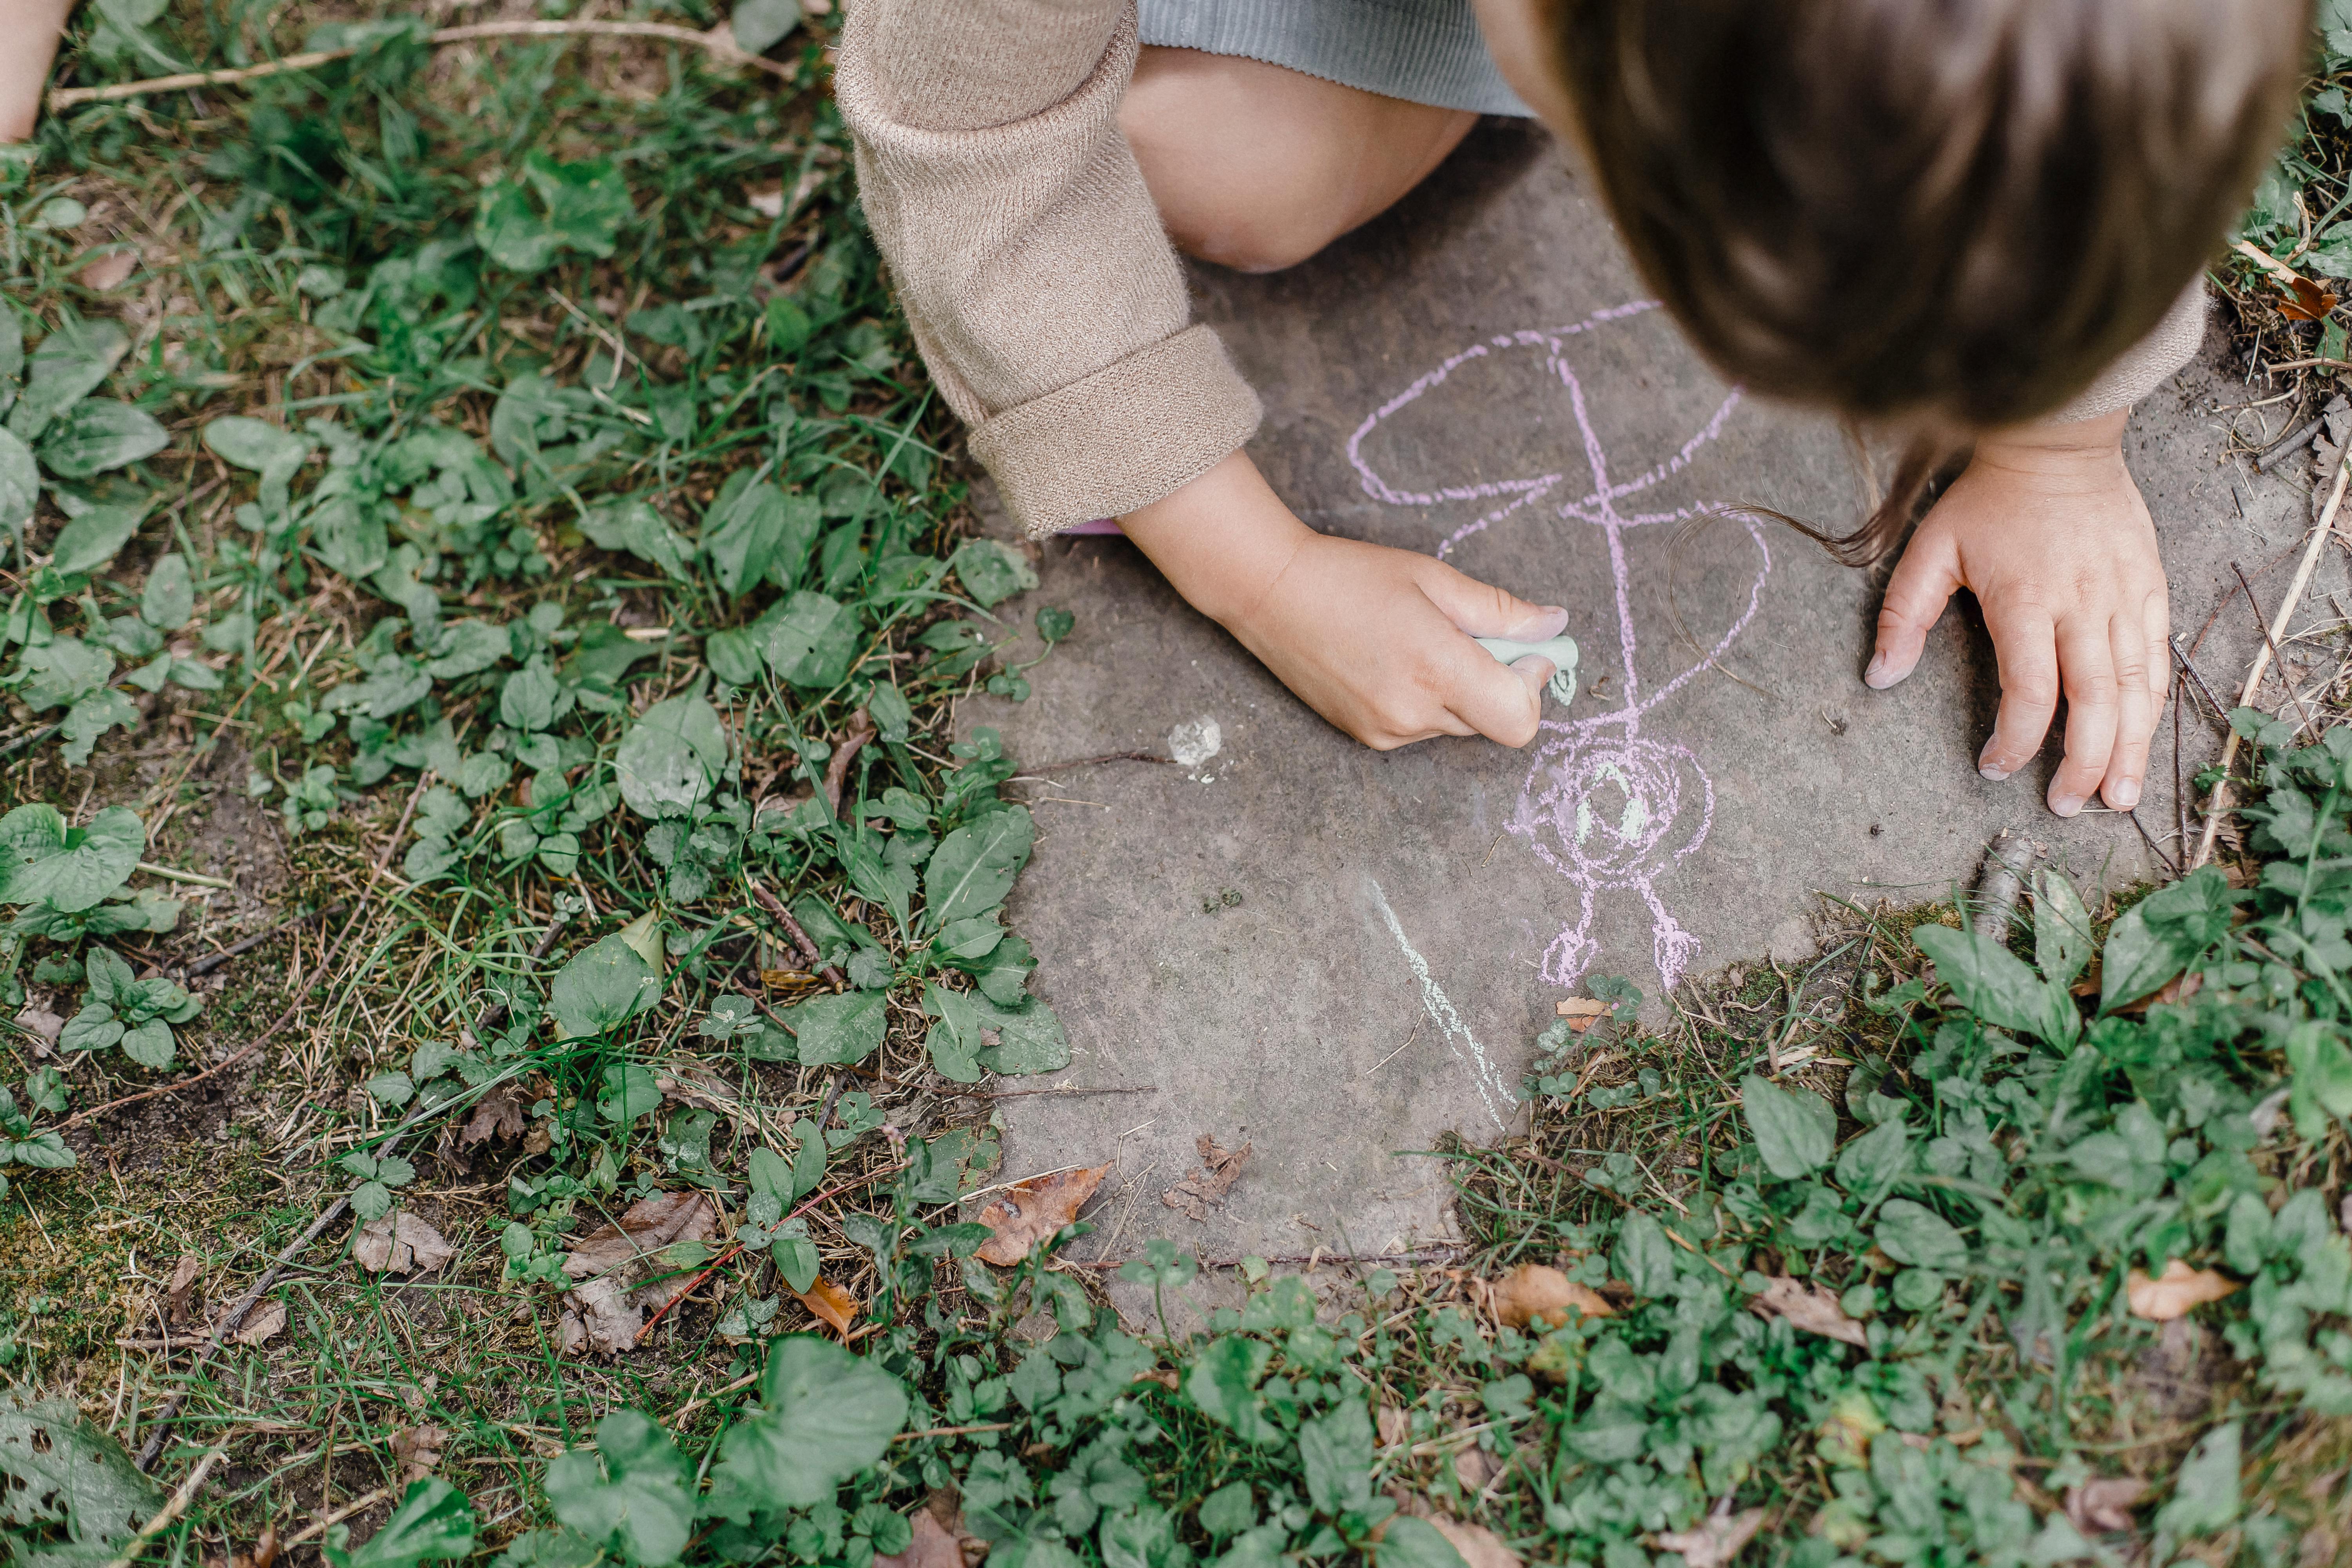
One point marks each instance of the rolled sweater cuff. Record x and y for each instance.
(2148, 364)
(1122, 438)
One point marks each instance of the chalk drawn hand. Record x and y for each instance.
(2056, 542)
(1376, 640)
(1604, 805)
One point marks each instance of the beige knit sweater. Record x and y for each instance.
(1033, 270)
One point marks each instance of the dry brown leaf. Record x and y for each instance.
(1220, 1168)
(400, 1243)
(42, 1021)
(934, 1546)
(1394, 1425)
(1813, 1308)
(1474, 1468)
(427, 1250)
(109, 271)
(261, 1323)
(1480, 1547)
(1539, 1294)
(2175, 1291)
(690, 1084)
(1030, 1211)
(620, 1275)
(830, 1305)
(1580, 1012)
(1717, 1538)
(418, 1450)
(2104, 1504)
(376, 1245)
(176, 1290)
(503, 1113)
(264, 1553)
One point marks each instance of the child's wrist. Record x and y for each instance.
(1222, 541)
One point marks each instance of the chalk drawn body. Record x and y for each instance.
(1608, 807)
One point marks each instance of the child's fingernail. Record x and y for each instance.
(1541, 626)
(2124, 796)
(1875, 674)
(2065, 805)
(1992, 770)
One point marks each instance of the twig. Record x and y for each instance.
(2309, 364)
(192, 877)
(2219, 803)
(717, 44)
(211, 961)
(2287, 447)
(832, 1098)
(1426, 1255)
(326, 1521)
(2270, 639)
(836, 770)
(1107, 757)
(775, 906)
(172, 1510)
(2191, 670)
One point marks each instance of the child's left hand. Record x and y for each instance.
(2048, 529)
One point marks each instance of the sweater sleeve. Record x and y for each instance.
(1027, 253)
(2148, 364)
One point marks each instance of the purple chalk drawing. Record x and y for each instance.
(1609, 808)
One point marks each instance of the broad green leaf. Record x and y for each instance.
(110, 978)
(90, 717)
(824, 1415)
(741, 535)
(734, 657)
(2205, 1497)
(671, 758)
(1411, 1543)
(70, 363)
(635, 527)
(579, 207)
(276, 454)
(149, 1045)
(843, 1028)
(1222, 1384)
(1875, 1161)
(1914, 1234)
(468, 648)
(530, 701)
(1336, 1451)
(434, 1520)
(1643, 1257)
(601, 988)
(62, 670)
(2061, 928)
(634, 1491)
(953, 1043)
(992, 571)
(20, 483)
(96, 436)
(1992, 981)
(70, 868)
(94, 1028)
(94, 538)
(58, 1467)
(760, 25)
(1795, 1130)
(170, 597)
(2155, 939)
(1029, 1037)
(630, 1092)
(975, 866)
(808, 638)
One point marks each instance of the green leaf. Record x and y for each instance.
(1411, 1543)
(742, 534)
(94, 1028)
(760, 25)
(992, 571)
(2156, 938)
(671, 758)
(1794, 1131)
(94, 538)
(635, 1492)
(20, 483)
(953, 1043)
(601, 988)
(1336, 1451)
(975, 866)
(91, 717)
(843, 1028)
(1029, 1037)
(434, 1520)
(1222, 1384)
(170, 597)
(61, 671)
(630, 1092)
(734, 657)
(95, 436)
(581, 207)
(149, 1045)
(2061, 928)
(277, 455)
(1914, 1234)
(825, 1414)
(2205, 1491)
(56, 1466)
(1643, 1257)
(1994, 982)
(808, 638)
(70, 868)
(531, 700)
(637, 528)
(70, 363)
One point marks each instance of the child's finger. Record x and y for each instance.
(2087, 665)
(2024, 649)
(1483, 610)
(2136, 707)
(1924, 582)
(1502, 702)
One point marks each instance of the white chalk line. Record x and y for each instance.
(1434, 1001)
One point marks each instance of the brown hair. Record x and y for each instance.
(1941, 216)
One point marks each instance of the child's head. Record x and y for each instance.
(1950, 215)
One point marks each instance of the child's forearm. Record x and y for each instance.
(31, 28)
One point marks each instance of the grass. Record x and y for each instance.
(566, 524)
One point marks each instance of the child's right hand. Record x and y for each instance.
(1376, 640)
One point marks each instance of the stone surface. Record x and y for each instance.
(1336, 955)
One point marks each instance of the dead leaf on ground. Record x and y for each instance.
(1030, 1211)
(262, 1322)
(622, 1276)
(1480, 1547)
(109, 271)
(690, 1084)
(1539, 1294)
(934, 1546)
(264, 1553)
(1474, 1468)
(1394, 1425)
(1717, 1538)
(2104, 1505)
(418, 1451)
(400, 1243)
(1581, 1013)
(1813, 1308)
(42, 1021)
(1220, 1168)
(2175, 1291)
(503, 1113)
(830, 1305)
(176, 1290)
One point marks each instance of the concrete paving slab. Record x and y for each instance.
(1336, 955)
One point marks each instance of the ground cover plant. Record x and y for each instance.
(509, 972)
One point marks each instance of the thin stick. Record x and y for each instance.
(173, 1510)
(836, 771)
(2220, 801)
(2271, 640)
(1097, 762)
(211, 961)
(192, 877)
(720, 45)
(775, 906)
(326, 1521)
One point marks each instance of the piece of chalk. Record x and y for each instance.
(1561, 651)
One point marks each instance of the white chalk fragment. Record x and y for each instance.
(1561, 651)
(1194, 743)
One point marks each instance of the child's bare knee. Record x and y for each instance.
(1253, 243)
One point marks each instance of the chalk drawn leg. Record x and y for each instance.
(1492, 1089)
(1572, 951)
(1671, 949)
